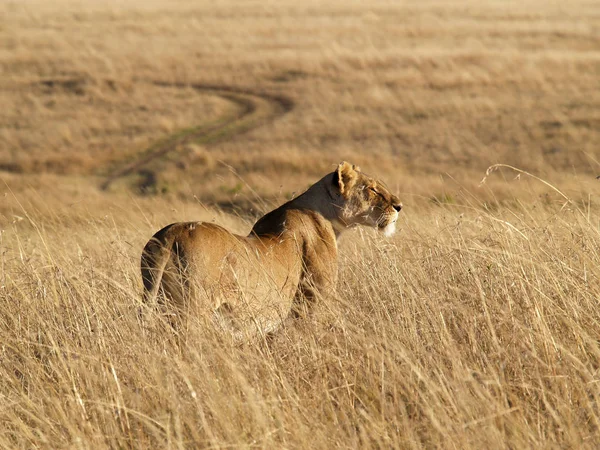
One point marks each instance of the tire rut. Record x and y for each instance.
(250, 114)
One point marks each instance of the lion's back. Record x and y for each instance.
(184, 246)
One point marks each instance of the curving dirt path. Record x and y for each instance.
(253, 109)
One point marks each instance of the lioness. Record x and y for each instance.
(249, 285)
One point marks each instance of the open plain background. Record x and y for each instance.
(476, 326)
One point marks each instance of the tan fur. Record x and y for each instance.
(249, 285)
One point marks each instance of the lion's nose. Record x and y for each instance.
(398, 207)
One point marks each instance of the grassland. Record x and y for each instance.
(476, 326)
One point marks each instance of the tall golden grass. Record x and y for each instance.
(476, 326)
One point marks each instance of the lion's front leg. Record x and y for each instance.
(318, 281)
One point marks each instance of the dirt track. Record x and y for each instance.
(253, 109)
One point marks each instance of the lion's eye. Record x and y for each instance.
(373, 191)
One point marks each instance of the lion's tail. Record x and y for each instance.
(155, 257)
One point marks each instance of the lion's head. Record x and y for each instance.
(364, 200)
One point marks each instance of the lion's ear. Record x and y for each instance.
(344, 176)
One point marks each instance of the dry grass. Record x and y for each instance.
(475, 327)
(419, 89)
(471, 328)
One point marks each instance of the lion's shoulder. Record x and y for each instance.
(289, 218)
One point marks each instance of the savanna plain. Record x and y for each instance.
(477, 325)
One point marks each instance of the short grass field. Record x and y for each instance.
(476, 326)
